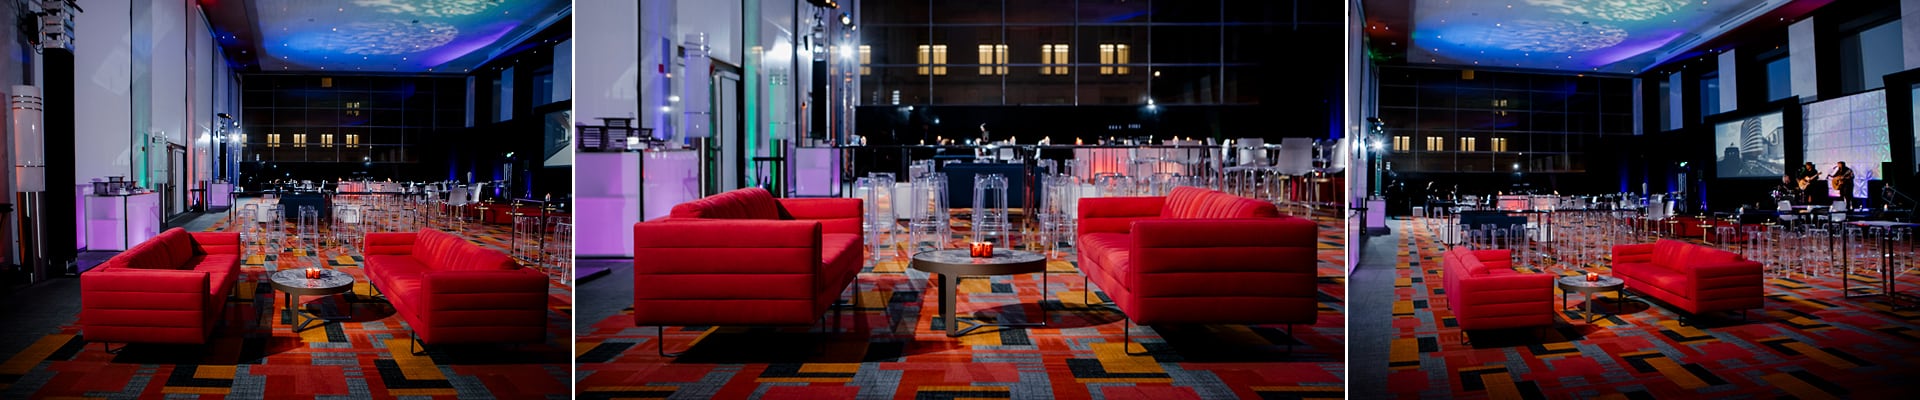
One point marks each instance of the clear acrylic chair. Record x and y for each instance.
(929, 218)
(990, 220)
(1058, 218)
(559, 254)
(274, 229)
(345, 229)
(873, 192)
(527, 229)
(246, 219)
(307, 227)
(1114, 185)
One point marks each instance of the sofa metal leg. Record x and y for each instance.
(413, 339)
(660, 342)
(1086, 290)
(1126, 335)
(110, 350)
(1290, 339)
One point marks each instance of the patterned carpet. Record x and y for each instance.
(256, 354)
(894, 346)
(1807, 342)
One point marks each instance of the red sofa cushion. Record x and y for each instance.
(749, 203)
(1188, 202)
(446, 252)
(178, 244)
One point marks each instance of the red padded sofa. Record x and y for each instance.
(745, 258)
(1199, 256)
(451, 291)
(1694, 278)
(1485, 292)
(171, 288)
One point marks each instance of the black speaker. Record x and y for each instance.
(1817, 193)
(61, 196)
(1875, 194)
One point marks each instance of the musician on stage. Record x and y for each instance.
(1787, 190)
(1806, 175)
(1842, 181)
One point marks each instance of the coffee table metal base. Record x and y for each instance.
(307, 316)
(952, 264)
(1619, 297)
(949, 299)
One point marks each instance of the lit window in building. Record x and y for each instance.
(1499, 144)
(933, 59)
(1053, 54)
(993, 59)
(353, 108)
(1469, 144)
(1402, 143)
(1111, 55)
(326, 140)
(866, 58)
(273, 140)
(353, 140)
(299, 139)
(1436, 143)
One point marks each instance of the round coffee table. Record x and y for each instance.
(294, 282)
(951, 264)
(1579, 284)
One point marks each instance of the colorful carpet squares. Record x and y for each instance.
(1807, 342)
(256, 353)
(893, 346)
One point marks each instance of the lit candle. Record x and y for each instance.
(981, 249)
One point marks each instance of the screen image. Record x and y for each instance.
(559, 139)
(1751, 147)
(1915, 115)
(1851, 129)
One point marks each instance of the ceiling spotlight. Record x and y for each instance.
(846, 19)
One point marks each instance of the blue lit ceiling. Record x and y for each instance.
(406, 36)
(1610, 36)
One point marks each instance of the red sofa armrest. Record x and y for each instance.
(835, 215)
(134, 280)
(482, 306)
(106, 297)
(216, 242)
(687, 272)
(1730, 274)
(1284, 246)
(1116, 214)
(145, 305)
(726, 247)
(1637, 253)
(1473, 299)
(518, 289)
(390, 243)
(1542, 283)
